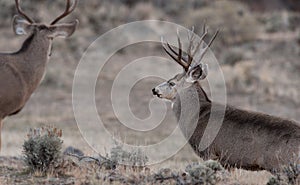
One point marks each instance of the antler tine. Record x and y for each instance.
(69, 9)
(166, 50)
(204, 33)
(171, 55)
(174, 52)
(191, 37)
(179, 46)
(208, 45)
(22, 13)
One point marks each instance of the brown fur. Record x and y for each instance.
(21, 72)
(246, 139)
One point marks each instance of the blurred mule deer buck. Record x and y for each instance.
(246, 139)
(21, 72)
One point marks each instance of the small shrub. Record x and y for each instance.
(275, 180)
(167, 176)
(134, 158)
(204, 173)
(292, 172)
(42, 150)
(214, 165)
(288, 175)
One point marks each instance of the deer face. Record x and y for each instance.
(23, 24)
(169, 89)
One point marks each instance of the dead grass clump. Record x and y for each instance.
(42, 150)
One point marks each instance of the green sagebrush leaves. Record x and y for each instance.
(204, 173)
(42, 149)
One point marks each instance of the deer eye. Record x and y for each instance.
(172, 83)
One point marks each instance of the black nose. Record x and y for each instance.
(154, 92)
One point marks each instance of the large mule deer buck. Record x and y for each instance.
(21, 72)
(250, 140)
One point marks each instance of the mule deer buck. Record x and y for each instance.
(22, 71)
(246, 139)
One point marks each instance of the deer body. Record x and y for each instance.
(21, 72)
(246, 139)
(26, 69)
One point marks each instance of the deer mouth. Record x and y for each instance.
(158, 95)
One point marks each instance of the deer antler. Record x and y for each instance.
(191, 51)
(20, 11)
(180, 60)
(69, 9)
(208, 45)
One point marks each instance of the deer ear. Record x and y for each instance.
(21, 26)
(198, 72)
(63, 30)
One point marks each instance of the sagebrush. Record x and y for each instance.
(42, 149)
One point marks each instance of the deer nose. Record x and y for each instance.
(154, 91)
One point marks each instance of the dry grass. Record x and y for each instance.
(74, 171)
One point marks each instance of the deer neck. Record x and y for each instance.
(202, 94)
(36, 48)
(189, 99)
(32, 59)
(187, 107)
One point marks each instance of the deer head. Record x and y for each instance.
(193, 71)
(24, 25)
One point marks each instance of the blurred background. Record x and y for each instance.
(258, 50)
